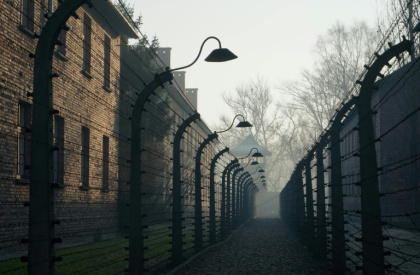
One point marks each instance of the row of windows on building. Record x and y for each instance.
(24, 150)
(28, 7)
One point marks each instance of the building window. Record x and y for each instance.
(51, 6)
(61, 48)
(107, 62)
(85, 158)
(87, 33)
(28, 14)
(105, 163)
(59, 150)
(24, 142)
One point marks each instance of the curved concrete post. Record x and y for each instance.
(247, 199)
(198, 221)
(372, 243)
(136, 254)
(228, 216)
(234, 195)
(337, 210)
(299, 200)
(223, 210)
(321, 223)
(245, 212)
(239, 198)
(310, 220)
(212, 229)
(176, 191)
(41, 214)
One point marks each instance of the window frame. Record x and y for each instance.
(107, 62)
(105, 163)
(28, 15)
(84, 160)
(24, 140)
(87, 45)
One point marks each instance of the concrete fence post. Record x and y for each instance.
(198, 221)
(177, 250)
(212, 221)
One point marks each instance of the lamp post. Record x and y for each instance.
(41, 213)
(41, 254)
(228, 197)
(250, 162)
(337, 209)
(237, 210)
(136, 235)
(372, 239)
(259, 169)
(321, 230)
(176, 191)
(244, 181)
(299, 200)
(310, 227)
(198, 221)
(212, 229)
(255, 155)
(223, 211)
(249, 186)
(234, 197)
(231, 184)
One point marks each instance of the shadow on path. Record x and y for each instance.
(262, 246)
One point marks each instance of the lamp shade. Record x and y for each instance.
(244, 124)
(220, 55)
(257, 155)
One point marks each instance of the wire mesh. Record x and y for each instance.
(96, 79)
(395, 110)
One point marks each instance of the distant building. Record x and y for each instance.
(244, 152)
(192, 94)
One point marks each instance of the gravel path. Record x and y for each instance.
(262, 246)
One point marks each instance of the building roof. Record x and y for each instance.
(112, 16)
(244, 148)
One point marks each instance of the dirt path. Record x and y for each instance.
(262, 246)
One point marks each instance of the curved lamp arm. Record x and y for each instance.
(257, 154)
(257, 170)
(249, 162)
(227, 55)
(244, 124)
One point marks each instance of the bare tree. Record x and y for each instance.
(403, 11)
(254, 100)
(341, 54)
(397, 18)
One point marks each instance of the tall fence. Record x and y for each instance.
(353, 198)
(72, 138)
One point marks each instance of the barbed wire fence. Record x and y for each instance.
(394, 111)
(91, 145)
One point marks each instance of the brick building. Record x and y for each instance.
(97, 77)
(86, 94)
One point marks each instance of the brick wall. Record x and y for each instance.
(397, 96)
(87, 213)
